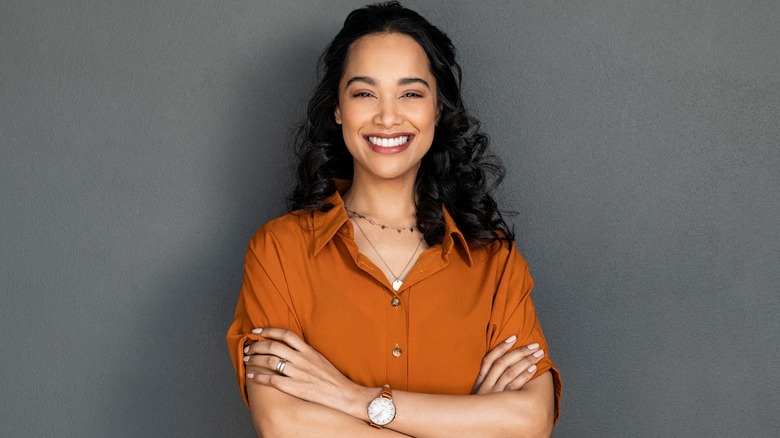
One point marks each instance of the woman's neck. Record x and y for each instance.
(390, 201)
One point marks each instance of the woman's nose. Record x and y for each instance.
(388, 114)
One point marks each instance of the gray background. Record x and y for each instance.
(143, 142)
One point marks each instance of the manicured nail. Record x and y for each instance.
(250, 376)
(533, 346)
(246, 349)
(511, 339)
(532, 369)
(246, 358)
(257, 331)
(539, 353)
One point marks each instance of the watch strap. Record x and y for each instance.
(387, 392)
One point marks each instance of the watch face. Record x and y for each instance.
(381, 411)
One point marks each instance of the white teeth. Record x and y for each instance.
(389, 142)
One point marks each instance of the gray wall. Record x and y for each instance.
(142, 143)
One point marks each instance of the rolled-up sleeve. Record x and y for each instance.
(514, 314)
(264, 301)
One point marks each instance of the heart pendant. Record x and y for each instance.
(397, 285)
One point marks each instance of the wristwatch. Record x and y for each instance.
(381, 410)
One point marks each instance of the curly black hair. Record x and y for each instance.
(457, 172)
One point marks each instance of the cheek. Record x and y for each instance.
(425, 120)
(424, 114)
(353, 115)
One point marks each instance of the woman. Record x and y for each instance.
(391, 295)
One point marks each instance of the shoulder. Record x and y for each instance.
(499, 253)
(289, 228)
(299, 231)
(288, 224)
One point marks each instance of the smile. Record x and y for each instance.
(388, 142)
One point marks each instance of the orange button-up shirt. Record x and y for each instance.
(304, 272)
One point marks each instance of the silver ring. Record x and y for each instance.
(280, 366)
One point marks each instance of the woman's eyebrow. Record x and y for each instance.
(366, 79)
(407, 81)
(403, 81)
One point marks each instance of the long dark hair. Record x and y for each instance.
(457, 172)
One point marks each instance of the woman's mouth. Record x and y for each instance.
(389, 145)
(388, 142)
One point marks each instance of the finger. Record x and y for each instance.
(497, 352)
(522, 379)
(515, 376)
(268, 356)
(269, 364)
(501, 364)
(257, 369)
(515, 370)
(497, 365)
(282, 335)
(491, 357)
(273, 365)
(282, 383)
(272, 348)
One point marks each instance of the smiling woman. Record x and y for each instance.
(388, 110)
(392, 294)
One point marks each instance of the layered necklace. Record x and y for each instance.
(384, 227)
(397, 282)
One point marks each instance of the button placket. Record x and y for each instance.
(397, 336)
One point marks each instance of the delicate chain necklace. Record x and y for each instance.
(399, 229)
(397, 282)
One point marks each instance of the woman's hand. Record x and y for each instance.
(305, 373)
(504, 370)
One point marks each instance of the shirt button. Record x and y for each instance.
(397, 351)
(395, 302)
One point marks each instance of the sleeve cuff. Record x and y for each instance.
(247, 339)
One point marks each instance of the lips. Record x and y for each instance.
(389, 144)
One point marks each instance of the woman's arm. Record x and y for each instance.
(308, 376)
(527, 412)
(502, 414)
(276, 414)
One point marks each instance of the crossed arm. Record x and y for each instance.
(314, 398)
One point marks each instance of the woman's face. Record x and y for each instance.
(387, 106)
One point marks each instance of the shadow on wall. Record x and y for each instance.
(182, 374)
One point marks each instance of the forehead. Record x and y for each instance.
(387, 55)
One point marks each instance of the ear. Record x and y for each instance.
(337, 114)
(438, 114)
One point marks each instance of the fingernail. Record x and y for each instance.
(250, 376)
(532, 369)
(511, 339)
(246, 349)
(539, 353)
(533, 346)
(246, 358)
(257, 331)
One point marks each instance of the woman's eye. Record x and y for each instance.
(411, 94)
(362, 94)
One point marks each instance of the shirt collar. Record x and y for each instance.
(327, 224)
(451, 229)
